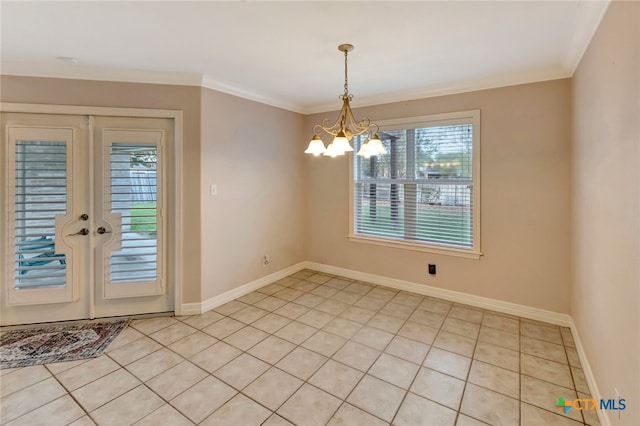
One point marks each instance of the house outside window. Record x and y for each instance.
(424, 194)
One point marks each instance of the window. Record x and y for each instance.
(424, 193)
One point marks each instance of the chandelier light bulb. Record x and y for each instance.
(365, 150)
(341, 143)
(332, 151)
(316, 146)
(376, 147)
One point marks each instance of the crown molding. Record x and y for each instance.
(585, 30)
(72, 71)
(75, 72)
(474, 85)
(210, 82)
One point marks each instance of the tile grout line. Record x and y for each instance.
(240, 391)
(212, 373)
(421, 365)
(51, 376)
(573, 379)
(68, 392)
(342, 400)
(363, 325)
(306, 381)
(380, 354)
(520, 369)
(466, 381)
(405, 320)
(143, 383)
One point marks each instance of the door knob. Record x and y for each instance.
(101, 230)
(84, 216)
(83, 231)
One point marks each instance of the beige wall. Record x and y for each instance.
(605, 300)
(250, 151)
(525, 135)
(133, 95)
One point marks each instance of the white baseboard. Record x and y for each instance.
(603, 415)
(221, 299)
(190, 309)
(454, 296)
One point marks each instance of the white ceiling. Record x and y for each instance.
(285, 53)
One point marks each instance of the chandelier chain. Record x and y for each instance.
(346, 81)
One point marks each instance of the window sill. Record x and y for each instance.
(447, 251)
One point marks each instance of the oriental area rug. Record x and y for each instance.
(57, 343)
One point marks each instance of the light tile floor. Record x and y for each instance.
(313, 349)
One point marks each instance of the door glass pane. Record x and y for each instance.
(134, 195)
(41, 195)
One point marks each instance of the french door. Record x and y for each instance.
(84, 217)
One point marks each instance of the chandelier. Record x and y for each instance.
(346, 127)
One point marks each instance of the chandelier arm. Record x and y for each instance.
(356, 127)
(325, 127)
(317, 129)
(341, 122)
(362, 126)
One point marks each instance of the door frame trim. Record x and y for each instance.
(175, 250)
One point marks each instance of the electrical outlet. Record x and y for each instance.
(266, 260)
(432, 269)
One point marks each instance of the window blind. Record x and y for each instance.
(421, 190)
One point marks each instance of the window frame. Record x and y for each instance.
(433, 120)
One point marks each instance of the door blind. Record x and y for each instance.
(134, 195)
(40, 195)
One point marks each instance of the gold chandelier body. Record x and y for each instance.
(346, 127)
